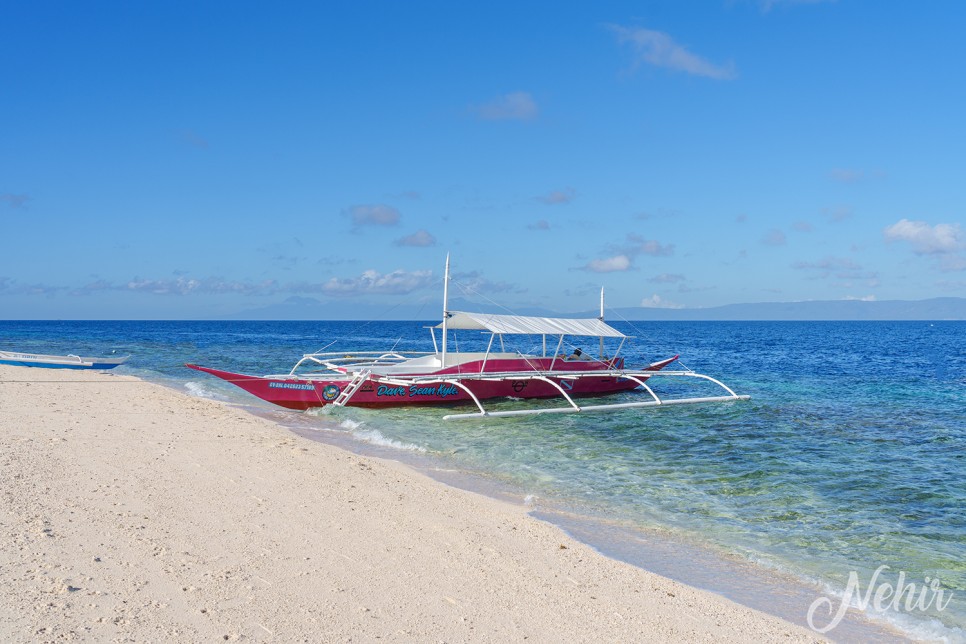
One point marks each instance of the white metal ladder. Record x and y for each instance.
(351, 388)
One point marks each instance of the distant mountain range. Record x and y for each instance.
(940, 308)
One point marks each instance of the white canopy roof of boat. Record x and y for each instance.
(523, 325)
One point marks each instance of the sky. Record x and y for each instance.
(197, 160)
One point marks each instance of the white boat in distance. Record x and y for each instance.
(70, 361)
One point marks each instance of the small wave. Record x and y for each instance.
(199, 390)
(925, 629)
(374, 437)
(351, 425)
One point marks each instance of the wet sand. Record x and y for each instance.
(130, 511)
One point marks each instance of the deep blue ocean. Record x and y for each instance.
(851, 454)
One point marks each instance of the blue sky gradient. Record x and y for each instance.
(194, 160)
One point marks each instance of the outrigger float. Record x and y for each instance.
(70, 361)
(443, 377)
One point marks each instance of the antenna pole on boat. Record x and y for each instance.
(445, 309)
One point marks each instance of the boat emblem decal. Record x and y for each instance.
(519, 385)
(330, 392)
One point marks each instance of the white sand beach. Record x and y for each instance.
(129, 511)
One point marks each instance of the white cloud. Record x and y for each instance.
(178, 286)
(542, 224)
(657, 302)
(187, 286)
(652, 247)
(420, 238)
(473, 282)
(395, 283)
(768, 5)
(667, 278)
(373, 215)
(609, 264)
(828, 264)
(838, 213)
(958, 286)
(659, 49)
(926, 239)
(840, 268)
(557, 197)
(9, 286)
(515, 106)
(952, 262)
(14, 201)
(622, 256)
(398, 282)
(845, 175)
(193, 139)
(774, 237)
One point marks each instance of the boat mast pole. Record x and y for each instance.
(601, 319)
(445, 309)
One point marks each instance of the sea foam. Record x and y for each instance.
(200, 390)
(375, 437)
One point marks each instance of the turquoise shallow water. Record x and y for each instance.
(850, 456)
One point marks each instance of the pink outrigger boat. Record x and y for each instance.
(443, 377)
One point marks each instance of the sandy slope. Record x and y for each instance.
(131, 512)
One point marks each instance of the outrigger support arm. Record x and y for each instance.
(471, 395)
(560, 389)
(592, 408)
(639, 378)
(694, 374)
(643, 384)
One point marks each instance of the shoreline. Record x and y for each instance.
(131, 510)
(779, 593)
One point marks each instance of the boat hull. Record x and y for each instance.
(301, 393)
(18, 359)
